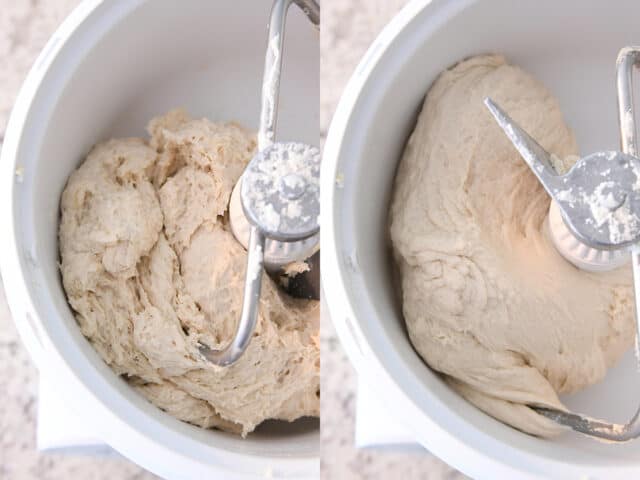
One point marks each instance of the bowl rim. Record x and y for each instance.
(437, 428)
(133, 435)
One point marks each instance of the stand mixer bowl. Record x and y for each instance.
(376, 114)
(207, 57)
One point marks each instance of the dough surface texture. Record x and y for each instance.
(487, 300)
(151, 268)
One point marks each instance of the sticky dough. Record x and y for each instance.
(486, 298)
(151, 268)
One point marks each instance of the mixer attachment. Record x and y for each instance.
(598, 202)
(275, 207)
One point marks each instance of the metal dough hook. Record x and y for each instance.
(278, 192)
(599, 203)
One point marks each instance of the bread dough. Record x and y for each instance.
(151, 268)
(487, 299)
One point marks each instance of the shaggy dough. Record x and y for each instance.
(151, 268)
(486, 298)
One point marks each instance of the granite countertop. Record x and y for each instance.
(348, 27)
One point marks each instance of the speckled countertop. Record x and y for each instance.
(348, 27)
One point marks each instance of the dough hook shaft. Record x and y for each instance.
(536, 157)
(250, 304)
(538, 160)
(266, 135)
(273, 65)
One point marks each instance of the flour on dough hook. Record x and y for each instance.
(594, 218)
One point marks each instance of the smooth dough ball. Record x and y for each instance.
(151, 269)
(487, 299)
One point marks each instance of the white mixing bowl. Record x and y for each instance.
(572, 47)
(107, 70)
